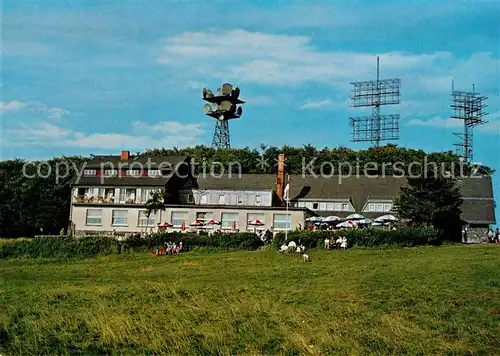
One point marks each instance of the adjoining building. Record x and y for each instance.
(112, 192)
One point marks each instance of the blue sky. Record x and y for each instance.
(83, 77)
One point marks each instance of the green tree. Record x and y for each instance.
(432, 201)
(155, 203)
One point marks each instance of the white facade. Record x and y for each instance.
(97, 218)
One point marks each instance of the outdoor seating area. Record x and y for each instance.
(352, 221)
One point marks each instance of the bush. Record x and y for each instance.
(58, 247)
(241, 241)
(406, 237)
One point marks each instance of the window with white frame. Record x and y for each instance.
(120, 218)
(322, 206)
(94, 217)
(146, 194)
(222, 199)
(345, 206)
(110, 172)
(380, 207)
(315, 206)
(282, 222)
(178, 217)
(89, 172)
(387, 207)
(144, 221)
(258, 200)
(204, 216)
(338, 207)
(229, 219)
(133, 172)
(190, 198)
(204, 199)
(153, 172)
(240, 199)
(256, 216)
(329, 206)
(123, 195)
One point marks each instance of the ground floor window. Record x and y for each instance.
(229, 219)
(204, 217)
(94, 217)
(178, 217)
(144, 221)
(282, 222)
(120, 218)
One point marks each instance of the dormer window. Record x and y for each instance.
(153, 172)
(133, 172)
(258, 200)
(222, 199)
(89, 172)
(110, 172)
(240, 199)
(315, 206)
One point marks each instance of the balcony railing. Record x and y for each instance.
(81, 199)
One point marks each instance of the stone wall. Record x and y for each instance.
(477, 234)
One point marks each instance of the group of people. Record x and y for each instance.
(171, 248)
(494, 236)
(340, 243)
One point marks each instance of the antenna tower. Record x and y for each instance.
(374, 93)
(467, 106)
(222, 106)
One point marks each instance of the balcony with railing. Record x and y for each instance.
(107, 196)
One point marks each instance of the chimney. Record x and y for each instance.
(125, 156)
(281, 176)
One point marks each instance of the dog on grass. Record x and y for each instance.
(306, 258)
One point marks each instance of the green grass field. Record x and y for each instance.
(429, 300)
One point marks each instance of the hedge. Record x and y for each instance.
(58, 247)
(240, 241)
(405, 237)
(90, 246)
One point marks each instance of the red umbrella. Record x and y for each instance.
(213, 222)
(196, 223)
(183, 226)
(164, 224)
(234, 225)
(255, 222)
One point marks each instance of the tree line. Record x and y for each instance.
(35, 198)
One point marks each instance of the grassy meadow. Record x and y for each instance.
(415, 301)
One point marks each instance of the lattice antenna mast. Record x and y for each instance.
(374, 93)
(222, 106)
(469, 107)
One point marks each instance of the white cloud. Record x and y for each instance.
(311, 104)
(11, 106)
(492, 126)
(33, 107)
(286, 60)
(439, 122)
(163, 134)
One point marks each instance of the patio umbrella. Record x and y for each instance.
(331, 218)
(183, 226)
(385, 218)
(348, 223)
(315, 219)
(164, 224)
(364, 221)
(355, 217)
(197, 223)
(255, 223)
(234, 225)
(213, 223)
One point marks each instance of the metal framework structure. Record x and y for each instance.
(374, 93)
(222, 106)
(467, 106)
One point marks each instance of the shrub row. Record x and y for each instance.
(58, 247)
(90, 246)
(406, 237)
(241, 241)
